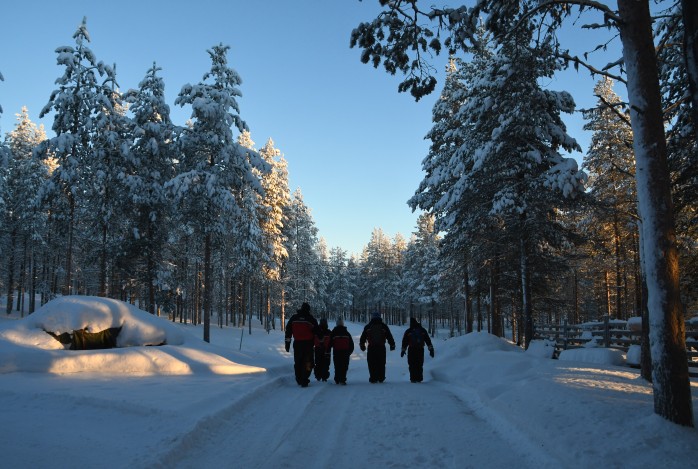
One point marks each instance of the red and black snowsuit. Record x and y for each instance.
(303, 327)
(413, 341)
(342, 346)
(376, 333)
(322, 352)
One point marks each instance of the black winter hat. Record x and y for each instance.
(305, 308)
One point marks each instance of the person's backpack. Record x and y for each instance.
(417, 337)
(376, 334)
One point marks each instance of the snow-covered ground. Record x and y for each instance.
(234, 403)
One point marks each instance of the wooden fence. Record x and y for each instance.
(612, 334)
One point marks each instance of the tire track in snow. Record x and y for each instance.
(326, 425)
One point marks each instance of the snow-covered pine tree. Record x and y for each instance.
(322, 277)
(422, 266)
(302, 263)
(25, 174)
(381, 275)
(246, 244)
(149, 165)
(520, 168)
(215, 172)
(104, 195)
(76, 103)
(339, 299)
(610, 163)
(446, 191)
(274, 203)
(497, 174)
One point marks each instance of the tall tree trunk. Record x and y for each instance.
(575, 298)
(616, 242)
(208, 287)
(150, 267)
(526, 307)
(607, 286)
(32, 282)
(671, 385)
(67, 286)
(22, 284)
(283, 308)
(11, 271)
(468, 299)
(103, 264)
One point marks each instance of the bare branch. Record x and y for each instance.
(594, 71)
(544, 5)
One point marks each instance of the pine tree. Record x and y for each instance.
(610, 163)
(422, 264)
(77, 102)
(339, 298)
(215, 174)
(104, 195)
(149, 166)
(272, 207)
(302, 264)
(274, 203)
(25, 174)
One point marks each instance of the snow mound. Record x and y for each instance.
(70, 313)
(25, 346)
(633, 356)
(603, 356)
(541, 348)
(479, 342)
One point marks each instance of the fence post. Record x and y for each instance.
(606, 331)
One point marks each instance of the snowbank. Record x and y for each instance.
(26, 346)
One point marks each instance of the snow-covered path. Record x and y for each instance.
(361, 424)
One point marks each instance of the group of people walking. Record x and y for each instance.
(314, 344)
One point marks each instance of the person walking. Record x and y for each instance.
(342, 346)
(322, 352)
(303, 327)
(413, 342)
(376, 333)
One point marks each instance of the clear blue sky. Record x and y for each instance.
(354, 145)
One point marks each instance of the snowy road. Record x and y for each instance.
(326, 425)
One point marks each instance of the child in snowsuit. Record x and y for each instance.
(376, 333)
(342, 346)
(322, 352)
(413, 342)
(303, 327)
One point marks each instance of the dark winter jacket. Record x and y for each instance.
(376, 333)
(341, 340)
(302, 327)
(322, 339)
(416, 336)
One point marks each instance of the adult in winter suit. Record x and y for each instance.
(342, 346)
(322, 352)
(303, 327)
(413, 342)
(376, 333)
